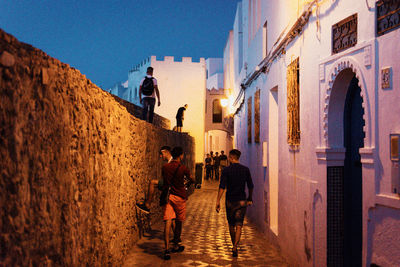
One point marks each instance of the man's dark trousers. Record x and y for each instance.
(216, 172)
(148, 105)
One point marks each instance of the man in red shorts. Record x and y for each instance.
(173, 174)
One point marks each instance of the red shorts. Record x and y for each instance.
(175, 208)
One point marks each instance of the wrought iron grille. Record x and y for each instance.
(335, 216)
(344, 34)
(293, 105)
(387, 16)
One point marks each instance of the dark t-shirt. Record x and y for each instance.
(234, 179)
(177, 182)
(216, 161)
(223, 160)
(208, 161)
(179, 114)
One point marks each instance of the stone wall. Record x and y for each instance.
(137, 112)
(73, 163)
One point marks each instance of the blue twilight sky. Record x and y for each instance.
(104, 39)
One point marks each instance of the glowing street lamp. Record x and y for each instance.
(224, 102)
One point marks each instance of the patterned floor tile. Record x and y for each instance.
(206, 239)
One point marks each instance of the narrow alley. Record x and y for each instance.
(206, 239)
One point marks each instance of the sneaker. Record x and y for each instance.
(178, 249)
(167, 255)
(234, 253)
(176, 241)
(143, 207)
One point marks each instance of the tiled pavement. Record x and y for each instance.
(206, 239)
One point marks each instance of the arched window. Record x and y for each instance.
(217, 111)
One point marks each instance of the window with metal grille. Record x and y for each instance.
(387, 16)
(335, 216)
(217, 111)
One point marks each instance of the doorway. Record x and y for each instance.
(353, 140)
(344, 182)
(273, 149)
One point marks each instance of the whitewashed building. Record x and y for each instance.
(120, 89)
(180, 82)
(317, 118)
(218, 122)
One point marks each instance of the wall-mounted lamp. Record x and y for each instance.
(224, 102)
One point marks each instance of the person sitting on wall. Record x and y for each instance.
(180, 117)
(149, 88)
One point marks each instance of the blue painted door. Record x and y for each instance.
(353, 141)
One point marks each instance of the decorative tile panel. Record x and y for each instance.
(367, 56)
(386, 77)
(322, 72)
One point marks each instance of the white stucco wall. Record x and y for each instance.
(216, 81)
(213, 66)
(135, 76)
(179, 82)
(384, 226)
(229, 79)
(218, 141)
(182, 83)
(302, 172)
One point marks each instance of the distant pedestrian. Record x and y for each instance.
(180, 116)
(216, 166)
(149, 89)
(208, 166)
(212, 164)
(223, 161)
(175, 208)
(234, 179)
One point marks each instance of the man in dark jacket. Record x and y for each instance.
(234, 179)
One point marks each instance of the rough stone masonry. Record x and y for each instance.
(73, 162)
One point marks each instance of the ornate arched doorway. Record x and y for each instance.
(344, 182)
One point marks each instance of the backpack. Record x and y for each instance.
(148, 86)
